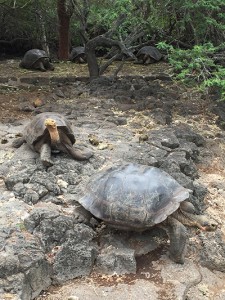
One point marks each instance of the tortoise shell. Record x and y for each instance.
(31, 57)
(151, 51)
(77, 52)
(35, 130)
(133, 196)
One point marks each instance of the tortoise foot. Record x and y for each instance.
(81, 215)
(47, 162)
(88, 154)
(80, 154)
(177, 259)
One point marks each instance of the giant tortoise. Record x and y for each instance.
(36, 59)
(78, 55)
(137, 197)
(148, 54)
(51, 132)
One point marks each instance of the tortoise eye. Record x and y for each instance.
(210, 226)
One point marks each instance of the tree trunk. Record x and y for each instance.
(64, 24)
(43, 36)
(90, 47)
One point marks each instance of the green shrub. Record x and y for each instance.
(196, 66)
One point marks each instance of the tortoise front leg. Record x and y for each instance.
(49, 66)
(82, 215)
(39, 66)
(18, 142)
(178, 236)
(45, 155)
(77, 153)
(67, 147)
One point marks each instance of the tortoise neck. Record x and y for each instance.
(54, 134)
(189, 219)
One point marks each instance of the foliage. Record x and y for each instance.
(174, 21)
(103, 16)
(192, 22)
(19, 19)
(217, 83)
(189, 31)
(197, 66)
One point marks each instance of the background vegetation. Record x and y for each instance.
(190, 32)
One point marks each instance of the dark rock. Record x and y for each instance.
(21, 176)
(165, 137)
(24, 269)
(212, 252)
(50, 225)
(184, 180)
(161, 116)
(35, 80)
(184, 132)
(186, 165)
(9, 264)
(76, 256)
(59, 93)
(191, 149)
(113, 260)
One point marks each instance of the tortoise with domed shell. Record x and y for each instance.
(36, 59)
(51, 132)
(138, 197)
(148, 55)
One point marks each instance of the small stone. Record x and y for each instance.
(27, 107)
(110, 147)
(38, 102)
(203, 289)
(143, 137)
(61, 183)
(93, 139)
(4, 141)
(102, 146)
(59, 93)
(73, 298)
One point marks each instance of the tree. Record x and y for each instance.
(64, 11)
(41, 22)
(107, 40)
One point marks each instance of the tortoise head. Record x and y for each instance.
(53, 131)
(50, 123)
(206, 224)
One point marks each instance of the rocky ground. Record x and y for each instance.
(144, 118)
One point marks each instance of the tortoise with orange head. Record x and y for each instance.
(51, 132)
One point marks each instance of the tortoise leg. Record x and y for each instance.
(45, 155)
(39, 66)
(77, 153)
(49, 66)
(18, 142)
(178, 236)
(67, 147)
(81, 214)
(187, 207)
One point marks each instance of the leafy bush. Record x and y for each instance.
(217, 83)
(197, 66)
(103, 15)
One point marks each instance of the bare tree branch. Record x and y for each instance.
(115, 26)
(5, 4)
(101, 41)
